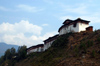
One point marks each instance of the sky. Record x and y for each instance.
(29, 22)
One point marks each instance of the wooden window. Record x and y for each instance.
(74, 25)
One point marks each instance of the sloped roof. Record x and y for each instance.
(68, 22)
(51, 38)
(81, 20)
(36, 46)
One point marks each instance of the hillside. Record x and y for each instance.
(4, 47)
(72, 49)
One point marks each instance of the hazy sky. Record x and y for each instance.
(29, 22)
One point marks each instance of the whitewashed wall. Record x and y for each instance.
(32, 50)
(39, 49)
(47, 45)
(82, 27)
(79, 27)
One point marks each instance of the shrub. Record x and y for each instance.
(62, 41)
(83, 46)
(89, 43)
(76, 50)
(98, 39)
(93, 54)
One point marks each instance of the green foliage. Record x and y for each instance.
(76, 51)
(98, 39)
(95, 31)
(93, 54)
(1, 59)
(13, 51)
(54, 54)
(7, 54)
(62, 41)
(89, 43)
(48, 58)
(11, 54)
(58, 52)
(83, 46)
(7, 63)
(21, 52)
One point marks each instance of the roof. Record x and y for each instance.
(36, 46)
(68, 22)
(51, 38)
(79, 19)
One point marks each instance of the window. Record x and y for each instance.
(74, 25)
(65, 28)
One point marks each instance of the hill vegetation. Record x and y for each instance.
(4, 47)
(72, 49)
(12, 56)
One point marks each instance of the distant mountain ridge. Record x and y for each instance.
(4, 47)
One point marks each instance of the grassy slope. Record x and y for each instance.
(71, 49)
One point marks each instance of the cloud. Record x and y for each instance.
(44, 24)
(22, 7)
(17, 33)
(77, 9)
(4, 9)
(81, 10)
(21, 27)
(28, 8)
(47, 35)
(91, 17)
(63, 18)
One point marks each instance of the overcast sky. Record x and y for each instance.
(29, 22)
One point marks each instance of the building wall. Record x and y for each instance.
(47, 45)
(71, 28)
(79, 27)
(68, 29)
(32, 50)
(82, 27)
(62, 31)
(39, 49)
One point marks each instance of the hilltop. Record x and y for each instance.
(73, 49)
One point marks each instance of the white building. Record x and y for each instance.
(48, 42)
(77, 25)
(42, 47)
(37, 48)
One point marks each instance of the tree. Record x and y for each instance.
(21, 52)
(13, 51)
(7, 54)
(1, 60)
